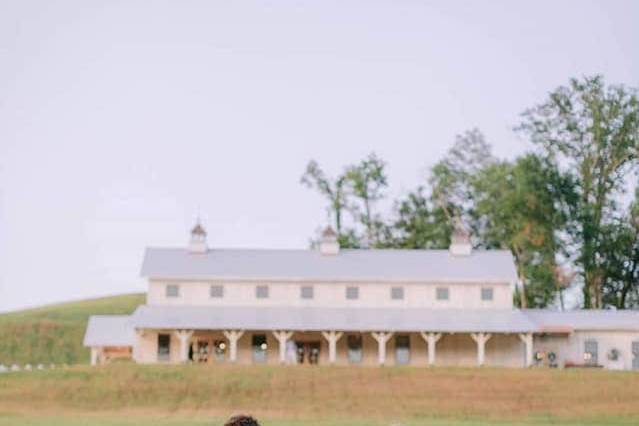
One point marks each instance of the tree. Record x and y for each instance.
(451, 177)
(332, 189)
(523, 206)
(620, 248)
(421, 223)
(592, 131)
(366, 182)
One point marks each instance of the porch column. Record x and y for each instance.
(382, 337)
(95, 355)
(481, 339)
(139, 335)
(527, 338)
(233, 336)
(184, 336)
(431, 339)
(282, 336)
(332, 337)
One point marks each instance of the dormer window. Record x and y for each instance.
(172, 291)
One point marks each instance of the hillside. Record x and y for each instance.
(128, 394)
(53, 334)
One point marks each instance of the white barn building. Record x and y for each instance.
(352, 307)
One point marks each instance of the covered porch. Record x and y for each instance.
(290, 347)
(332, 336)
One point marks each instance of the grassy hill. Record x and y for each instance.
(195, 395)
(53, 334)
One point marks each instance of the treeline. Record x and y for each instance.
(567, 209)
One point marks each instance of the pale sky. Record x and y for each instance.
(121, 120)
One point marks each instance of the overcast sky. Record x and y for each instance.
(120, 121)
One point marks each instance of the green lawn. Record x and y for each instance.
(196, 421)
(53, 334)
(128, 394)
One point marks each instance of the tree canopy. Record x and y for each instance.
(561, 208)
(591, 131)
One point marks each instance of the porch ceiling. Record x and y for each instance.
(321, 319)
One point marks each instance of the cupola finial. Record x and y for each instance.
(197, 244)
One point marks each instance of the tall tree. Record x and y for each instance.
(421, 223)
(620, 249)
(366, 182)
(524, 205)
(593, 131)
(451, 177)
(335, 192)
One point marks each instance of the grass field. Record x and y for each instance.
(100, 420)
(126, 394)
(53, 334)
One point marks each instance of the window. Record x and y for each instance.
(261, 292)
(217, 291)
(591, 355)
(397, 293)
(164, 347)
(354, 343)
(306, 292)
(442, 293)
(402, 350)
(172, 290)
(259, 348)
(486, 294)
(352, 293)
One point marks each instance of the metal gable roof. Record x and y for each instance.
(495, 266)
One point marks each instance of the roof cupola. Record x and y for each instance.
(460, 244)
(329, 245)
(197, 244)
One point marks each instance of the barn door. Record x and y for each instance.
(402, 350)
(635, 355)
(591, 352)
(259, 348)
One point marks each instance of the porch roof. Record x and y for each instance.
(586, 319)
(339, 319)
(109, 330)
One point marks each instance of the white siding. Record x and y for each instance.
(416, 295)
(570, 348)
